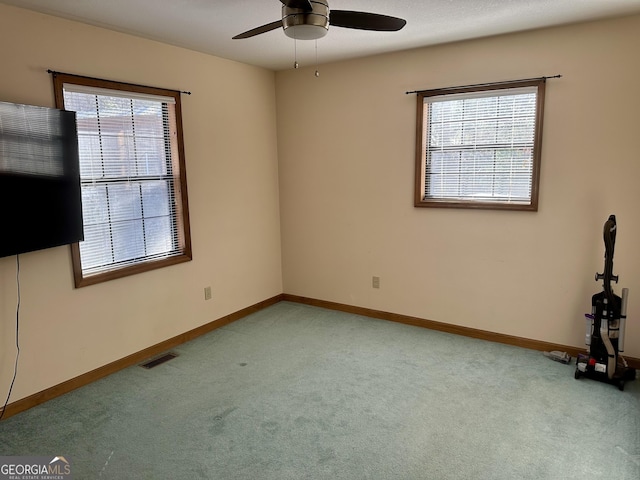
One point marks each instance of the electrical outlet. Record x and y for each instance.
(375, 282)
(207, 293)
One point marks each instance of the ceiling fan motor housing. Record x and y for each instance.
(306, 24)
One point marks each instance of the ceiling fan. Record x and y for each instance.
(310, 19)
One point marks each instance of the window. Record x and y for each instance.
(479, 146)
(132, 177)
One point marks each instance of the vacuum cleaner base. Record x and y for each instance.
(586, 367)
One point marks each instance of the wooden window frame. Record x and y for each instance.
(181, 217)
(420, 197)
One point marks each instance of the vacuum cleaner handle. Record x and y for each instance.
(600, 276)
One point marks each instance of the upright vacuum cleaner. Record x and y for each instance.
(605, 325)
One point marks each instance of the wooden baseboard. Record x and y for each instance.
(448, 328)
(135, 358)
(130, 360)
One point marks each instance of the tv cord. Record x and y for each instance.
(15, 368)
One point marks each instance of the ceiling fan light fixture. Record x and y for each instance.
(305, 32)
(306, 25)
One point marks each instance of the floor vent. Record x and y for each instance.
(154, 362)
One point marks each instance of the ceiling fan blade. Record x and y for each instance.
(301, 4)
(258, 30)
(365, 21)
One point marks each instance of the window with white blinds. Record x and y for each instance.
(479, 147)
(132, 178)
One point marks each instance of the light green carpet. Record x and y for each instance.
(297, 392)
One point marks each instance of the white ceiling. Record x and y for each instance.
(208, 25)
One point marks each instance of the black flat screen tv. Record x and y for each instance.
(40, 198)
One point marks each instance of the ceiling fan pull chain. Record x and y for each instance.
(317, 74)
(295, 53)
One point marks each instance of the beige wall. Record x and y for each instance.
(341, 206)
(346, 155)
(233, 196)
